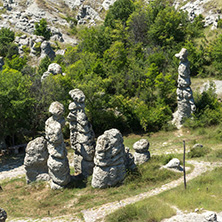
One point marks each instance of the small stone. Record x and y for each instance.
(197, 145)
(173, 163)
(210, 217)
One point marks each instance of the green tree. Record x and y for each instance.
(120, 10)
(41, 29)
(15, 104)
(6, 38)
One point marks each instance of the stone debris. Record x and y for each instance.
(184, 93)
(3, 215)
(35, 161)
(141, 154)
(58, 164)
(82, 137)
(109, 161)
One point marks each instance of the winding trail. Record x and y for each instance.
(99, 213)
(94, 214)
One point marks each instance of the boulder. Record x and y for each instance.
(55, 69)
(173, 163)
(141, 154)
(109, 160)
(210, 217)
(36, 160)
(58, 164)
(46, 50)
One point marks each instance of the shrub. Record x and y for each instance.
(41, 29)
(198, 152)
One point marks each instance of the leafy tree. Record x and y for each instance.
(6, 38)
(15, 104)
(16, 62)
(41, 29)
(120, 10)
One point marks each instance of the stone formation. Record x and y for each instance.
(53, 69)
(58, 164)
(3, 215)
(82, 137)
(109, 160)
(36, 160)
(141, 154)
(184, 93)
(173, 164)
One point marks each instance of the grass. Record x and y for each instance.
(17, 197)
(203, 192)
(145, 210)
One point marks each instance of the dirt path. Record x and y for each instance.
(98, 214)
(94, 214)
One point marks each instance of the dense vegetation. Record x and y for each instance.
(125, 67)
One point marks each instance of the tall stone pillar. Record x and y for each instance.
(82, 137)
(58, 164)
(184, 93)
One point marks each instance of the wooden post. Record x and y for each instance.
(184, 169)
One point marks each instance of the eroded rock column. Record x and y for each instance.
(82, 137)
(57, 162)
(141, 154)
(36, 160)
(184, 93)
(109, 161)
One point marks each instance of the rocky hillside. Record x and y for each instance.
(61, 15)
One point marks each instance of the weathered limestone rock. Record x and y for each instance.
(36, 160)
(210, 217)
(58, 164)
(141, 154)
(46, 50)
(184, 93)
(3, 215)
(53, 69)
(173, 163)
(109, 160)
(197, 145)
(82, 137)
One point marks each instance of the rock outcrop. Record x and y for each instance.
(58, 164)
(129, 160)
(3, 215)
(184, 93)
(82, 137)
(36, 160)
(53, 69)
(109, 161)
(46, 50)
(141, 154)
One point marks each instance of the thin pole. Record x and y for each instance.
(184, 169)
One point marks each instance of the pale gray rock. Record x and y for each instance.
(58, 164)
(3, 215)
(197, 145)
(109, 160)
(55, 69)
(46, 50)
(36, 160)
(107, 3)
(210, 217)
(141, 154)
(45, 75)
(173, 163)
(185, 99)
(82, 137)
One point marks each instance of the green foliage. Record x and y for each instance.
(198, 152)
(16, 103)
(120, 10)
(219, 23)
(16, 62)
(43, 66)
(41, 29)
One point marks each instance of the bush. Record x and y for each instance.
(198, 152)
(41, 29)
